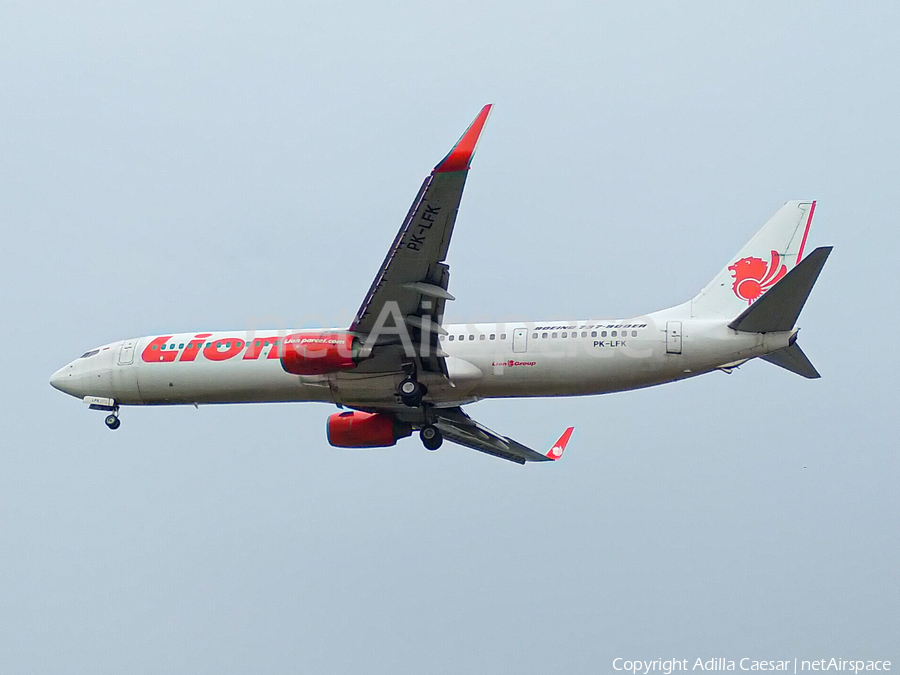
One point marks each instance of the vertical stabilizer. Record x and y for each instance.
(759, 265)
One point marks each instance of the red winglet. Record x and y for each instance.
(462, 152)
(560, 446)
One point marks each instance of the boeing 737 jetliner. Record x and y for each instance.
(398, 368)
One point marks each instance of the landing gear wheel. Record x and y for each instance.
(113, 422)
(411, 392)
(431, 437)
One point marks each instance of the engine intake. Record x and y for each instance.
(355, 429)
(319, 353)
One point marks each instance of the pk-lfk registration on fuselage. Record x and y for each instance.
(398, 368)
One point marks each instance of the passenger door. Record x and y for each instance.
(126, 353)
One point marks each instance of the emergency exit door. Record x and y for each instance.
(520, 340)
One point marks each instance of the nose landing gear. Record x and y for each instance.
(107, 405)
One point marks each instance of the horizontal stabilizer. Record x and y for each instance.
(778, 309)
(793, 359)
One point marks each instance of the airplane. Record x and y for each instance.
(398, 369)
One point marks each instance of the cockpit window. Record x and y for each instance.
(89, 354)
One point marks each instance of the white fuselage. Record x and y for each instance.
(549, 358)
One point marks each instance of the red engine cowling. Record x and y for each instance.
(319, 353)
(365, 430)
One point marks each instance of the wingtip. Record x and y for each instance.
(558, 448)
(459, 158)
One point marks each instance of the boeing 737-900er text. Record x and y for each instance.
(398, 368)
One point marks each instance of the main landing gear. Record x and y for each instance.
(411, 392)
(431, 437)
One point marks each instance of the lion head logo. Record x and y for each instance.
(753, 276)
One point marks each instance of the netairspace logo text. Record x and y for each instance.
(666, 667)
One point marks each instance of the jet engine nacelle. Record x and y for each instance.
(354, 429)
(319, 353)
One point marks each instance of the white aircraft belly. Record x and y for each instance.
(238, 381)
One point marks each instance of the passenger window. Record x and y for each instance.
(493, 336)
(543, 335)
(450, 337)
(481, 337)
(602, 333)
(634, 333)
(555, 335)
(594, 333)
(471, 337)
(534, 336)
(613, 334)
(584, 333)
(181, 346)
(502, 336)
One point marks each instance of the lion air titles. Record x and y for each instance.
(300, 353)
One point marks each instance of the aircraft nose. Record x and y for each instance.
(67, 380)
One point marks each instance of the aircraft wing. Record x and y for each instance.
(457, 426)
(409, 292)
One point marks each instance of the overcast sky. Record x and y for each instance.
(174, 166)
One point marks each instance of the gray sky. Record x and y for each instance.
(181, 168)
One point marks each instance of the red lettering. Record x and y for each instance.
(277, 344)
(192, 348)
(223, 349)
(155, 352)
(256, 347)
